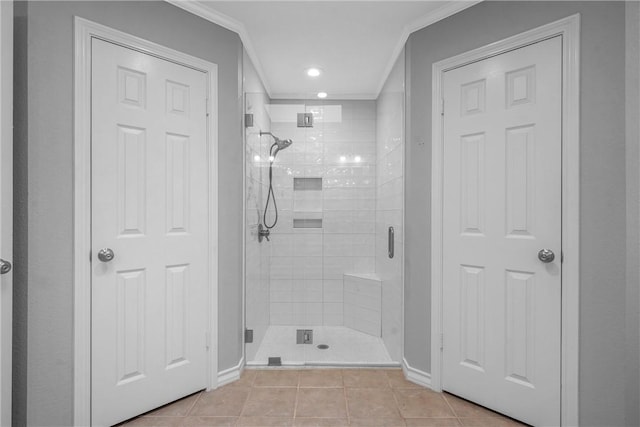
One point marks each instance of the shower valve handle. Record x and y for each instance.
(263, 233)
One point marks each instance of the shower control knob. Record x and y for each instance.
(106, 255)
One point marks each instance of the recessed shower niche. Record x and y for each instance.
(307, 202)
(337, 188)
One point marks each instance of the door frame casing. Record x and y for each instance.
(6, 215)
(569, 29)
(84, 32)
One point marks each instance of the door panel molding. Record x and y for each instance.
(569, 29)
(84, 32)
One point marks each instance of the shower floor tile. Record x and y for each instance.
(346, 347)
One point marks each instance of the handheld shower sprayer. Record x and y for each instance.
(279, 144)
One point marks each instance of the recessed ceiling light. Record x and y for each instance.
(322, 94)
(313, 72)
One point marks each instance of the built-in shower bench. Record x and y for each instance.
(363, 302)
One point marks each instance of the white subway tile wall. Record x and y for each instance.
(308, 264)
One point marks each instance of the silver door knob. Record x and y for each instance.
(5, 266)
(546, 255)
(105, 255)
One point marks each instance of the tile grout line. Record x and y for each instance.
(255, 376)
(295, 405)
(451, 407)
(251, 386)
(244, 405)
(150, 413)
(346, 401)
(194, 404)
(395, 398)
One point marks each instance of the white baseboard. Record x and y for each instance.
(230, 375)
(416, 376)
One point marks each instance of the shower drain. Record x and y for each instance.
(323, 346)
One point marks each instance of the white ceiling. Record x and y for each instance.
(355, 43)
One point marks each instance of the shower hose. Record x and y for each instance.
(271, 195)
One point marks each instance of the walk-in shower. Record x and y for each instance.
(324, 289)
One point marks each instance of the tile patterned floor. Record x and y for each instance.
(328, 397)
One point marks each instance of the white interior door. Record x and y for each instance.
(502, 205)
(150, 208)
(6, 207)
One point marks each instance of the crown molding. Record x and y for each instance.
(439, 14)
(334, 97)
(197, 8)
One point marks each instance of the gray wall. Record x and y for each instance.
(633, 209)
(602, 179)
(43, 378)
(19, 388)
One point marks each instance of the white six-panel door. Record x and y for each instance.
(150, 207)
(501, 206)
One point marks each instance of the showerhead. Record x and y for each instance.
(280, 144)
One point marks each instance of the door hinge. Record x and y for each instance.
(441, 341)
(442, 107)
(305, 120)
(561, 257)
(208, 107)
(207, 339)
(248, 120)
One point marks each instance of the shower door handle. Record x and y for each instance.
(391, 242)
